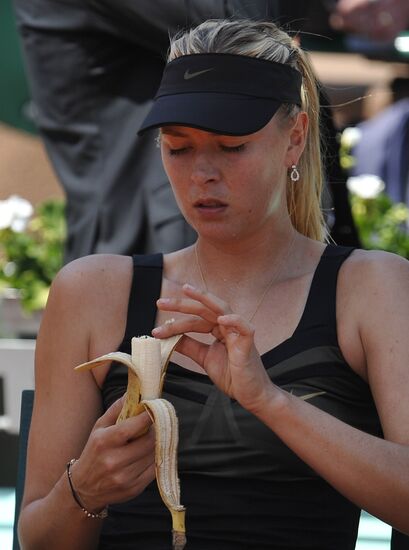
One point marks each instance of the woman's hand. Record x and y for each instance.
(118, 460)
(232, 360)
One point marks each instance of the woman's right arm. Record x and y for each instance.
(116, 462)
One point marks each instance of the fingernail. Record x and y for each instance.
(188, 286)
(156, 330)
(163, 301)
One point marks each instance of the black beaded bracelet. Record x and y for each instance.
(100, 515)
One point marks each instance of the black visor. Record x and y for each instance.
(222, 93)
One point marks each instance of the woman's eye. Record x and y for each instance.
(174, 151)
(179, 151)
(232, 149)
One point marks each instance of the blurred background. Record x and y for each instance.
(364, 79)
(349, 67)
(24, 167)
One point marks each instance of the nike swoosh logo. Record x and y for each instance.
(308, 396)
(188, 75)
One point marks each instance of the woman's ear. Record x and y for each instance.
(297, 139)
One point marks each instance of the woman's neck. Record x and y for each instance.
(251, 270)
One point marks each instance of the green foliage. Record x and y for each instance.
(382, 224)
(30, 259)
(347, 140)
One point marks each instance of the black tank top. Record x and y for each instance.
(242, 487)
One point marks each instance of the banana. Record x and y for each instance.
(146, 372)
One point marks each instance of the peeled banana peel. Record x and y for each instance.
(146, 372)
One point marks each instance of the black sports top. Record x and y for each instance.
(242, 487)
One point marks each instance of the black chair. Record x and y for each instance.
(398, 540)
(27, 400)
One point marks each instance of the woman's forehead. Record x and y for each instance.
(189, 131)
(182, 131)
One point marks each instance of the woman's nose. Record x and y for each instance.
(204, 170)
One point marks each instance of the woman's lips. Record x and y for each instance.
(209, 203)
(210, 206)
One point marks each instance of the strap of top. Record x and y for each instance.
(320, 309)
(145, 290)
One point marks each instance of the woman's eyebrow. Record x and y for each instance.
(172, 132)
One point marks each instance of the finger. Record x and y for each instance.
(111, 414)
(192, 307)
(235, 323)
(130, 429)
(192, 348)
(137, 469)
(218, 333)
(138, 453)
(181, 326)
(237, 333)
(142, 480)
(212, 302)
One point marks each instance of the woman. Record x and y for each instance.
(296, 358)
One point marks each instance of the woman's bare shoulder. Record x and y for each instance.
(96, 266)
(94, 290)
(370, 280)
(367, 267)
(92, 276)
(372, 293)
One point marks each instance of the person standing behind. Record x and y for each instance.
(93, 67)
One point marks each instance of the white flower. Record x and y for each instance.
(350, 137)
(15, 213)
(366, 186)
(9, 269)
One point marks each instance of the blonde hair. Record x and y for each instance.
(265, 40)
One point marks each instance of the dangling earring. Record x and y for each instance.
(157, 141)
(294, 174)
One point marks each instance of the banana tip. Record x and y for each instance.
(179, 540)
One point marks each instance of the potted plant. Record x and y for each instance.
(381, 223)
(31, 253)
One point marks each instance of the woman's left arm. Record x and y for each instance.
(370, 471)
